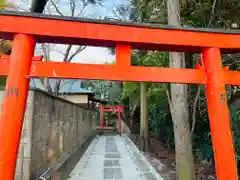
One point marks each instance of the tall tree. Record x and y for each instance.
(179, 107)
(144, 123)
(143, 91)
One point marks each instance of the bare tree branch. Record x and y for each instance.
(213, 11)
(45, 48)
(72, 4)
(65, 59)
(56, 8)
(69, 53)
(169, 99)
(79, 49)
(194, 110)
(59, 51)
(46, 53)
(82, 9)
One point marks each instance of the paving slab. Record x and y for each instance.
(113, 157)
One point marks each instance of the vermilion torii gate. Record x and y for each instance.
(26, 29)
(118, 109)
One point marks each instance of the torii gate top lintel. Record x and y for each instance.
(26, 29)
(50, 28)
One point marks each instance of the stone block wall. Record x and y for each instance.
(52, 128)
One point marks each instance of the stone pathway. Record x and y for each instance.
(113, 157)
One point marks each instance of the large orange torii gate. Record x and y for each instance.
(26, 29)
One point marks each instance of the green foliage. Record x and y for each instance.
(107, 90)
(2, 4)
(158, 109)
(235, 123)
(204, 13)
(3, 81)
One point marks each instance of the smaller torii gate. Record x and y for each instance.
(103, 109)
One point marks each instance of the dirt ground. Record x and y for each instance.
(164, 162)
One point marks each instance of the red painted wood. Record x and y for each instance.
(14, 103)
(109, 35)
(219, 116)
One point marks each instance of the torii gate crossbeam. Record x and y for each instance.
(27, 29)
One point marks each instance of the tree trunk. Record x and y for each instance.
(46, 81)
(47, 85)
(183, 145)
(38, 6)
(144, 134)
(143, 91)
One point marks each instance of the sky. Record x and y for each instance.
(91, 55)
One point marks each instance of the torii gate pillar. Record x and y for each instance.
(14, 103)
(219, 115)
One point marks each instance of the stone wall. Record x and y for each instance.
(52, 128)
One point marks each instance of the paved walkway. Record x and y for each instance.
(113, 157)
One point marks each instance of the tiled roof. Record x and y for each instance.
(68, 86)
